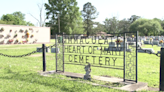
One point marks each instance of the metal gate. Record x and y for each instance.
(126, 51)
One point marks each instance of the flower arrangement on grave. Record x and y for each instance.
(27, 40)
(151, 39)
(27, 34)
(161, 41)
(118, 41)
(11, 40)
(24, 42)
(35, 41)
(2, 41)
(17, 40)
(21, 30)
(32, 35)
(30, 29)
(47, 45)
(15, 35)
(26, 31)
(2, 29)
(132, 36)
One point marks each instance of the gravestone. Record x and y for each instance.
(112, 46)
(156, 42)
(129, 39)
(131, 43)
(39, 49)
(53, 50)
(97, 38)
(147, 38)
(144, 39)
(122, 46)
(147, 42)
(157, 38)
(151, 40)
(162, 45)
(135, 40)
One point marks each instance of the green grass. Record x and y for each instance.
(21, 74)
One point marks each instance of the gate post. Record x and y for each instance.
(56, 50)
(44, 57)
(136, 56)
(124, 54)
(161, 84)
(63, 49)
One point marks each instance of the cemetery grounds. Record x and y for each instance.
(21, 74)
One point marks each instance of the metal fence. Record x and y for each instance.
(99, 52)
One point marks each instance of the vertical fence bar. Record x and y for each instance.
(136, 56)
(161, 80)
(44, 57)
(56, 50)
(63, 50)
(124, 54)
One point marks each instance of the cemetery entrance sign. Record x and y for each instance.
(118, 51)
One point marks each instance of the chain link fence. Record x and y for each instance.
(24, 55)
(28, 54)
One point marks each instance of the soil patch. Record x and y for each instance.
(153, 89)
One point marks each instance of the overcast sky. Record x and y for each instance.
(107, 8)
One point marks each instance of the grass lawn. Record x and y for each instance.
(21, 74)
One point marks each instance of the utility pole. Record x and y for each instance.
(59, 22)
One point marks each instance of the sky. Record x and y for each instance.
(107, 8)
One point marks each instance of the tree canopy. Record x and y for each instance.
(66, 15)
(146, 27)
(89, 13)
(69, 16)
(111, 25)
(16, 18)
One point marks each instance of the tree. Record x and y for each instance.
(111, 25)
(11, 18)
(146, 27)
(4, 22)
(40, 20)
(16, 18)
(89, 13)
(107, 25)
(29, 24)
(69, 16)
(19, 15)
(124, 25)
(133, 18)
(99, 27)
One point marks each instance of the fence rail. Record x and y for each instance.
(28, 54)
